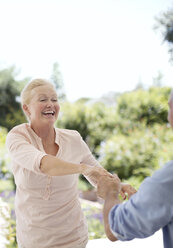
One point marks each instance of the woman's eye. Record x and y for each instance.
(42, 100)
(54, 100)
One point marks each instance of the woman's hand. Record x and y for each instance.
(93, 173)
(108, 185)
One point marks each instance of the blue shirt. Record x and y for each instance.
(150, 209)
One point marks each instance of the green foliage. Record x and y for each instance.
(83, 185)
(4, 170)
(11, 113)
(93, 214)
(132, 139)
(133, 181)
(95, 122)
(138, 154)
(73, 116)
(6, 185)
(149, 106)
(8, 225)
(101, 121)
(127, 139)
(11, 237)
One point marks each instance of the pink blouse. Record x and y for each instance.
(48, 211)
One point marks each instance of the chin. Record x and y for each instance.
(49, 121)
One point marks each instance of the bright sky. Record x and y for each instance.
(100, 45)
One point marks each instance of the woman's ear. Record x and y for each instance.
(26, 109)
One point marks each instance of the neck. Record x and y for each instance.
(46, 133)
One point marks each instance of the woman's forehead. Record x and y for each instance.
(44, 90)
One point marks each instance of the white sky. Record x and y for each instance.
(100, 45)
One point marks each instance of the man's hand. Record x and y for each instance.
(109, 188)
(127, 190)
(108, 185)
(111, 184)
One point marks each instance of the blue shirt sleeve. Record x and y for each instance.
(148, 210)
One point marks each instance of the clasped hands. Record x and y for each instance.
(107, 183)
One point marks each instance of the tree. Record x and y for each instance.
(139, 153)
(11, 113)
(164, 23)
(56, 78)
(139, 85)
(95, 122)
(149, 106)
(158, 79)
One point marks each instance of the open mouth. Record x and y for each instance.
(47, 113)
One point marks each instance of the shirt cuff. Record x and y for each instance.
(38, 163)
(112, 224)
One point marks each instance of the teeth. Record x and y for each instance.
(49, 112)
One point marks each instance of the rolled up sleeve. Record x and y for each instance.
(23, 153)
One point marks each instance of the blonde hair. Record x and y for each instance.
(26, 92)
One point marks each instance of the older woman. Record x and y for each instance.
(46, 163)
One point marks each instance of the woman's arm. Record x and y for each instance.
(54, 166)
(24, 154)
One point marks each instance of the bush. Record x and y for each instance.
(139, 153)
(94, 216)
(5, 170)
(4, 158)
(95, 122)
(8, 226)
(150, 106)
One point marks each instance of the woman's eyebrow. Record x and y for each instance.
(42, 95)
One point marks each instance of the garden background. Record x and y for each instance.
(129, 136)
(128, 133)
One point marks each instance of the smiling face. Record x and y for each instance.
(43, 107)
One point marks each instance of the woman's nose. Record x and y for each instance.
(49, 103)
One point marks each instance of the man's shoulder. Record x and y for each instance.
(160, 183)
